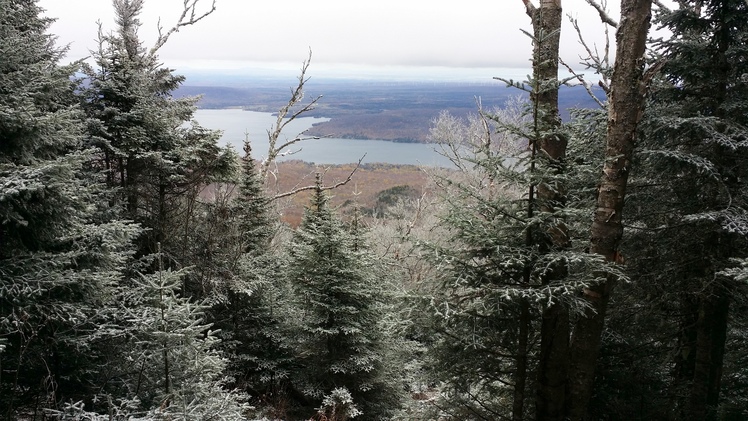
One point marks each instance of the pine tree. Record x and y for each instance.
(254, 307)
(340, 302)
(60, 252)
(139, 131)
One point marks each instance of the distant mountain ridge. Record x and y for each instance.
(375, 109)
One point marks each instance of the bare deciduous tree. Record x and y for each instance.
(278, 148)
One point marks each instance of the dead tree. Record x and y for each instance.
(278, 148)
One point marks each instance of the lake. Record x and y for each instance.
(235, 123)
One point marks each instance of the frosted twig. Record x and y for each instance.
(323, 188)
(188, 17)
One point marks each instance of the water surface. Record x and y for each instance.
(238, 124)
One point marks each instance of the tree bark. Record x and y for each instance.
(626, 105)
(554, 363)
(554, 333)
(711, 334)
(520, 378)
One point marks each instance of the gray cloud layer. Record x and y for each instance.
(467, 34)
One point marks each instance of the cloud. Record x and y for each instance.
(469, 33)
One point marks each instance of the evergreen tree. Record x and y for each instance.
(139, 130)
(167, 365)
(254, 307)
(498, 276)
(60, 252)
(689, 205)
(340, 301)
(253, 207)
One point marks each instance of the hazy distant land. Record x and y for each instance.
(371, 109)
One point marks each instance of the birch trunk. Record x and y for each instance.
(626, 105)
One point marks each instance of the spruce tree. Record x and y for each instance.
(144, 144)
(252, 207)
(253, 308)
(167, 364)
(340, 303)
(60, 252)
(690, 205)
(498, 273)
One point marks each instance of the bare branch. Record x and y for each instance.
(323, 188)
(529, 8)
(604, 16)
(584, 83)
(601, 64)
(283, 119)
(189, 16)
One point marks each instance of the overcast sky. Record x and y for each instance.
(465, 36)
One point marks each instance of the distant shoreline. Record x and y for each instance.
(373, 110)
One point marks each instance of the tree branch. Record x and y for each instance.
(323, 188)
(283, 119)
(584, 83)
(188, 17)
(661, 5)
(529, 8)
(604, 16)
(601, 65)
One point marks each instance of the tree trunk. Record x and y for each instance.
(711, 333)
(554, 363)
(626, 105)
(520, 378)
(554, 333)
(685, 356)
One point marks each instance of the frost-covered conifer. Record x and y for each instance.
(340, 303)
(689, 220)
(60, 253)
(498, 268)
(144, 144)
(253, 306)
(167, 365)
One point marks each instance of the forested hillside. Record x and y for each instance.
(575, 263)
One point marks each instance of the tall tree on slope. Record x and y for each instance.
(695, 140)
(138, 128)
(625, 109)
(341, 306)
(549, 144)
(60, 253)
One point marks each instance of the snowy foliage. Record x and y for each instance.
(338, 405)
